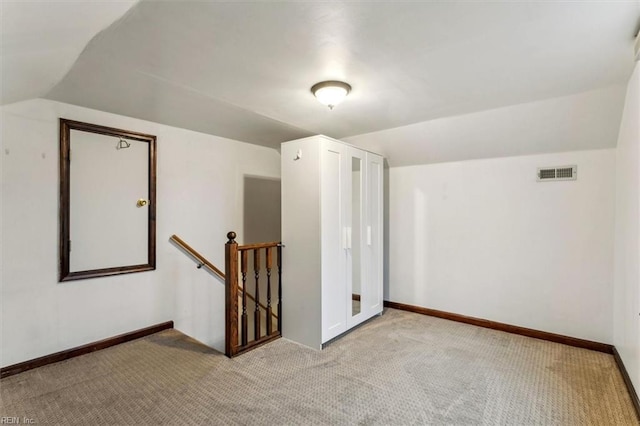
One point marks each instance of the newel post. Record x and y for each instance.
(231, 294)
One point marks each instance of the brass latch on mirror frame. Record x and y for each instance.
(142, 202)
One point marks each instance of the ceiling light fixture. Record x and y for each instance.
(330, 93)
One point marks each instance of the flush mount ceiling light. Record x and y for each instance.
(330, 93)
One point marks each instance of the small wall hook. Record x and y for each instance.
(122, 143)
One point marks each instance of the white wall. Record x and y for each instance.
(482, 238)
(626, 336)
(200, 179)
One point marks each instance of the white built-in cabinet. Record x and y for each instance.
(332, 198)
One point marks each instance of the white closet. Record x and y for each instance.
(332, 228)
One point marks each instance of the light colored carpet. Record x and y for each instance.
(397, 369)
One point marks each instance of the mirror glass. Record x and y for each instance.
(356, 219)
(107, 201)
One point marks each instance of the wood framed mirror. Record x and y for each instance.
(107, 201)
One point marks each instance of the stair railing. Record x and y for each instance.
(238, 338)
(202, 261)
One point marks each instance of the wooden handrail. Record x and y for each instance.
(258, 246)
(204, 262)
(198, 256)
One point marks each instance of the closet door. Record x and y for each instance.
(374, 234)
(357, 288)
(333, 243)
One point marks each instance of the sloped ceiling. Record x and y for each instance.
(41, 40)
(243, 70)
(587, 120)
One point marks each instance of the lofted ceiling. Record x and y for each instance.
(243, 70)
(40, 41)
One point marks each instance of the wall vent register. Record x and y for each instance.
(557, 173)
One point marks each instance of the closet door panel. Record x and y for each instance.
(334, 289)
(374, 231)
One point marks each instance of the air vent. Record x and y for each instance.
(557, 173)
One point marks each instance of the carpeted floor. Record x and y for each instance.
(397, 369)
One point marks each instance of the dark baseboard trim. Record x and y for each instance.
(627, 381)
(529, 332)
(82, 350)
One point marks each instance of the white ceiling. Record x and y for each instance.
(587, 120)
(243, 69)
(40, 41)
